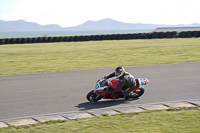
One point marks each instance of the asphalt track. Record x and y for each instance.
(54, 92)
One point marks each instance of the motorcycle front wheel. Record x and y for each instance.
(92, 97)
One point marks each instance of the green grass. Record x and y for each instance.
(48, 57)
(63, 56)
(160, 121)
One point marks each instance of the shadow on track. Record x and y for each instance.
(101, 104)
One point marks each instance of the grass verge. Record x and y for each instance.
(178, 120)
(63, 56)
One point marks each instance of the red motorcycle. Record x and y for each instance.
(103, 86)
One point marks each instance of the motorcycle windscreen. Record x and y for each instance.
(114, 84)
(103, 83)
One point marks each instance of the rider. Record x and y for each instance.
(126, 82)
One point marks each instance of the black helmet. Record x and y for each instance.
(119, 71)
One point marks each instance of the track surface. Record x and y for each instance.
(45, 93)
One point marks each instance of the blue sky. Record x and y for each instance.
(68, 13)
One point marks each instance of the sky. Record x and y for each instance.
(68, 13)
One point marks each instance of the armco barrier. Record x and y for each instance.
(152, 35)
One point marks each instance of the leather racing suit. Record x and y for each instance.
(126, 83)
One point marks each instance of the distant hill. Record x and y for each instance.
(110, 24)
(104, 24)
(21, 25)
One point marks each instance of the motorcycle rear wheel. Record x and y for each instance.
(140, 92)
(92, 97)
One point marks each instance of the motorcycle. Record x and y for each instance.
(102, 88)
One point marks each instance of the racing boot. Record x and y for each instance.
(133, 95)
(126, 95)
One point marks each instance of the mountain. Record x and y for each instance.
(21, 25)
(110, 24)
(104, 24)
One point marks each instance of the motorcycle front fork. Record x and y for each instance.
(97, 97)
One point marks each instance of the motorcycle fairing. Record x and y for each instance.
(114, 84)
